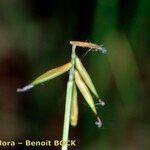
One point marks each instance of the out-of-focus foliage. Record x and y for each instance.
(34, 37)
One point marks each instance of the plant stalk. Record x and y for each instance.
(69, 92)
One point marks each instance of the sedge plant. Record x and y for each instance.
(78, 78)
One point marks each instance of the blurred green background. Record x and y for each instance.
(34, 37)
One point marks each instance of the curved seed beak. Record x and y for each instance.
(98, 122)
(103, 50)
(26, 88)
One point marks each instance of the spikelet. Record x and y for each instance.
(84, 74)
(52, 74)
(47, 76)
(74, 107)
(85, 91)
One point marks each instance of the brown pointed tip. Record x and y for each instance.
(98, 122)
(26, 88)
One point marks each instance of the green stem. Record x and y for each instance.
(68, 101)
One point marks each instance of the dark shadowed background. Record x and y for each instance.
(34, 37)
